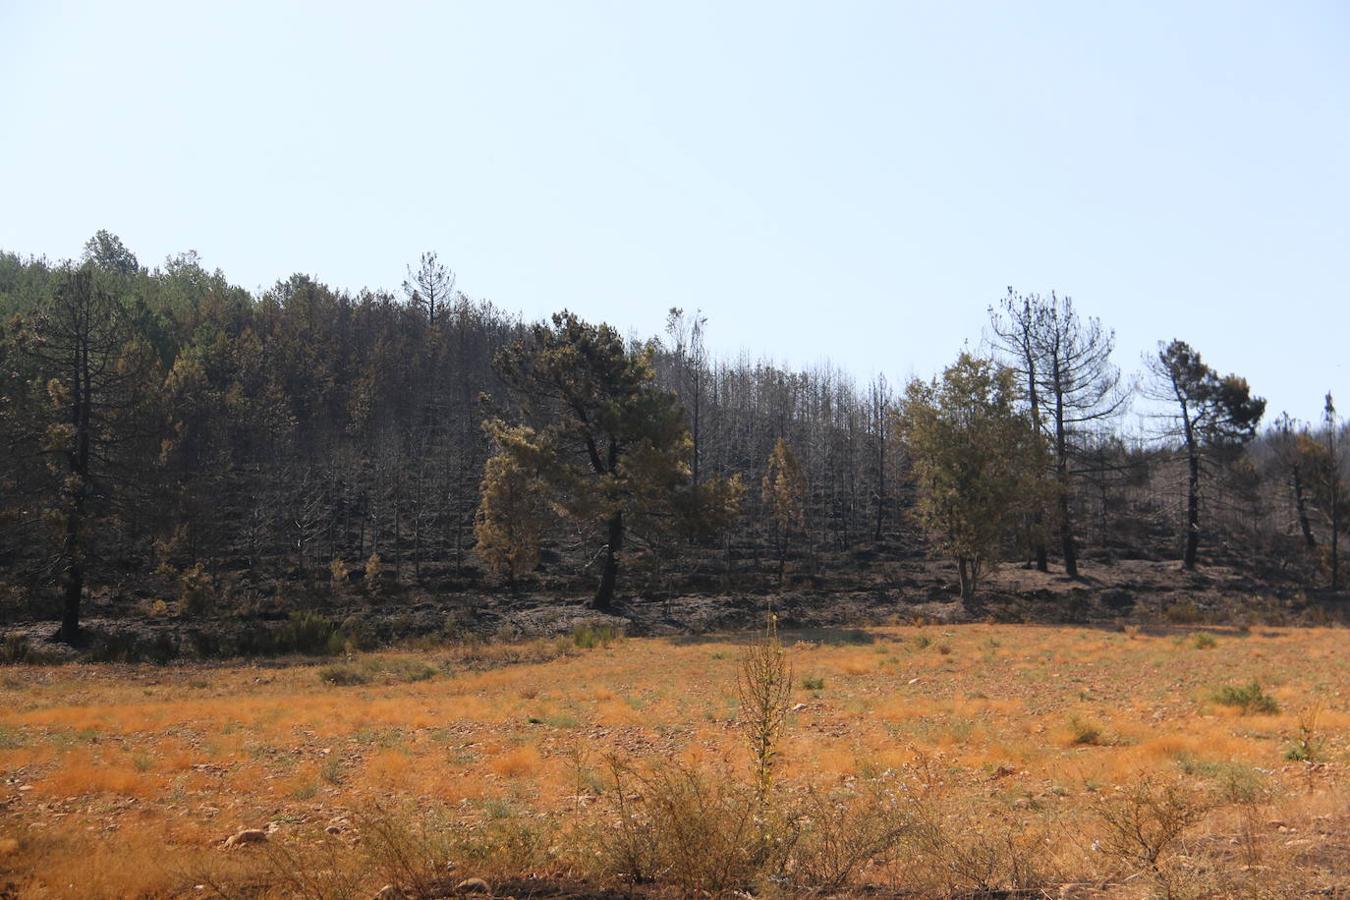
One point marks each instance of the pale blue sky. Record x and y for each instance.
(844, 180)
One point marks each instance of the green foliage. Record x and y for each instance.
(511, 517)
(1217, 410)
(588, 637)
(1234, 782)
(309, 633)
(1249, 697)
(1308, 744)
(386, 669)
(975, 459)
(609, 448)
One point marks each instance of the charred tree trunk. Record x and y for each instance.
(609, 575)
(1301, 507)
(72, 546)
(1192, 499)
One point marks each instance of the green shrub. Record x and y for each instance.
(393, 670)
(1307, 747)
(1249, 697)
(331, 771)
(1203, 641)
(813, 683)
(309, 633)
(1184, 613)
(1234, 782)
(406, 669)
(129, 647)
(343, 675)
(587, 637)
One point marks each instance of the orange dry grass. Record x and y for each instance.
(517, 762)
(260, 745)
(83, 772)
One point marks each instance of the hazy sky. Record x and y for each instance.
(846, 181)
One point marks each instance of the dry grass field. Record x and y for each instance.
(916, 761)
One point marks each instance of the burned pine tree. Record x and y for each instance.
(1207, 413)
(96, 376)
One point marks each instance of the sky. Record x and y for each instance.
(847, 182)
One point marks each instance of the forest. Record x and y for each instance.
(170, 441)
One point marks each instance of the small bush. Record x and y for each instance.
(1184, 613)
(309, 633)
(683, 826)
(1307, 746)
(358, 633)
(588, 637)
(331, 772)
(922, 641)
(16, 649)
(813, 683)
(129, 647)
(846, 830)
(1234, 782)
(1249, 697)
(1084, 733)
(392, 670)
(343, 675)
(1145, 822)
(196, 593)
(1203, 641)
(406, 669)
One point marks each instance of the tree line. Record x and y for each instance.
(165, 431)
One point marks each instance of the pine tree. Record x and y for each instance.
(610, 447)
(97, 383)
(784, 492)
(1331, 493)
(1211, 413)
